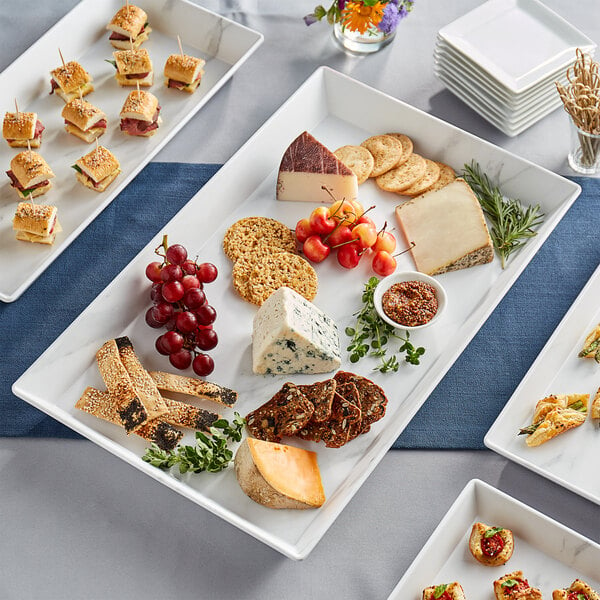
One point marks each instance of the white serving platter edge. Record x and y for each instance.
(245, 186)
(81, 35)
(567, 459)
(550, 554)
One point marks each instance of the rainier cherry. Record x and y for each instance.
(303, 230)
(384, 263)
(348, 255)
(315, 250)
(320, 220)
(367, 234)
(385, 241)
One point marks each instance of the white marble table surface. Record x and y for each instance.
(79, 523)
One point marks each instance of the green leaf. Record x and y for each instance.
(439, 590)
(77, 168)
(112, 62)
(492, 531)
(510, 583)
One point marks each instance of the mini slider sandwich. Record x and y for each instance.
(19, 128)
(70, 81)
(97, 169)
(84, 120)
(30, 174)
(36, 223)
(139, 115)
(129, 23)
(133, 67)
(183, 72)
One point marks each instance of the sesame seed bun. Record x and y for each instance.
(82, 114)
(183, 68)
(30, 168)
(139, 105)
(98, 164)
(19, 126)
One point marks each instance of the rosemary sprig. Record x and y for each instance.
(512, 223)
(371, 335)
(211, 453)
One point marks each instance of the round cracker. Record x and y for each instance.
(386, 151)
(402, 177)
(432, 174)
(407, 146)
(244, 265)
(447, 175)
(278, 270)
(247, 233)
(358, 159)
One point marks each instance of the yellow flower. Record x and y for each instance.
(358, 17)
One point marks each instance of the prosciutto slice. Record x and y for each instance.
(139, 127)
(16, 184)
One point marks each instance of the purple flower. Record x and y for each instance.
(310, 19)
(391, 18)
(341, 4)
(402, 13)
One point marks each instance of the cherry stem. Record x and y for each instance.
(344, 243)
(412, 245)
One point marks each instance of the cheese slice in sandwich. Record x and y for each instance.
(133, 67)
(129, 23)
(36, 223)
(22, 127)
(97, 169)
(30, 174)
(184, 72)
(84, 120)
(140, 114)
(71, 80)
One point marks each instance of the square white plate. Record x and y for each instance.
(517, 42)
(332, 107)
(82, 35)
(550, 555)
(566, 459)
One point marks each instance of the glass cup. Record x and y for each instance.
(584, 156)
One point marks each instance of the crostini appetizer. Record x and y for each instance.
(514, 586)
(491, 546)
(444, 591)
(578, 590)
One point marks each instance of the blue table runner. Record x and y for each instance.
(459, 411)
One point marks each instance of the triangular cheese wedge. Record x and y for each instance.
(307, 166)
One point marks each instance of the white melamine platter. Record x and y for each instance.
(550, 555)
(337, 110)
(517, 42)
(82, 35)
(567, 459)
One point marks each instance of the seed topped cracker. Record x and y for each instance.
(321, 395)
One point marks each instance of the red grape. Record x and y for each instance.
(153, 271)
(176, 254)
(206, 314)
(162, 312)
(171, 273)
(203, 365)
(172, 342)
(207, 272)
(206, 339)
(190, 282)
(173, 291)
(181, 360)
(156, 292)
(159, 346)
(186, 321)
(189, 267)
(194, 298)
(150, 320)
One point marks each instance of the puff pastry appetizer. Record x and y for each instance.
(595, 410)
(591, 346)
(491, 546)
(554, 415)
(444, 591)
(578, 590)
(514, 586)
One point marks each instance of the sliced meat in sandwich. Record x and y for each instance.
(71, 80)
(139, 115)
(30, 174)
(97, 169)
(133, 67)
(130, 22)
(183, 72)
(36, 223)
(84, 120)
(22, 127)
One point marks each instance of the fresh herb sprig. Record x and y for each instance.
(211, 452)
(512, 223)
(371, 335)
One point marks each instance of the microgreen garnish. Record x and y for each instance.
(439, 590)
(211, 452)
(512, 223)
(510, 583)
(492, 531)
(371, 336)
(112, 62)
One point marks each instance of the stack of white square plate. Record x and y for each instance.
(503, 58)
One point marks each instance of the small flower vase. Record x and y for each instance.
(356, 43)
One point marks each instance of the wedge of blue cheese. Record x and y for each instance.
(292, 335)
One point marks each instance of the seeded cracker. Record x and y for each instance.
(447, 175)
(284, 414)
(245, 235)
(386, 151)
(401, 178)
(432, 174)
(407, 146)
(321, 395)
(278, 270)
(358, 159)
(244, 265)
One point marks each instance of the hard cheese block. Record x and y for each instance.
(307, 166)
(291, 335)
(447, 229)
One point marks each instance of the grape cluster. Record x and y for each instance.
(180, 305)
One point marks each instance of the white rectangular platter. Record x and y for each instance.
(567, 459)
(82, 36)
(550, 555)
(332, 107)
